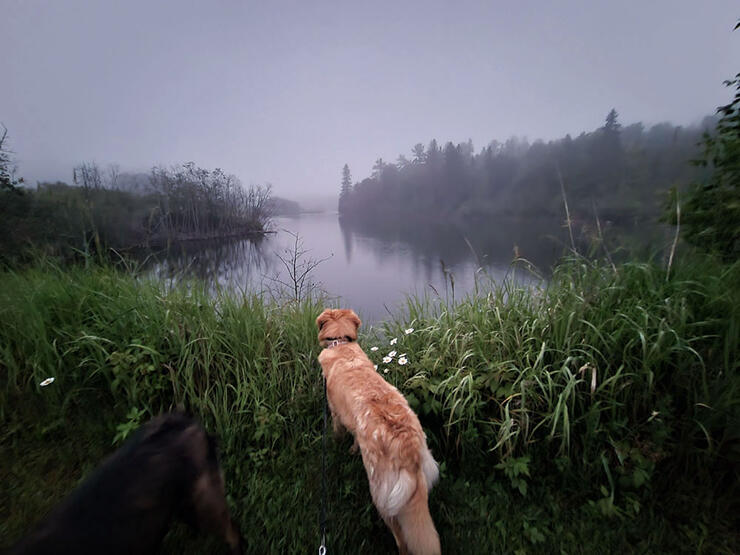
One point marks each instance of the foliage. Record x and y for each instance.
(193, 200)
(711, 211)
(185, 202)
(8, 181)
(597, 412)
(619, 172)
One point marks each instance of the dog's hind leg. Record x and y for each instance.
(392, 523)
(211, 511)
(336, 424)
(206, 504)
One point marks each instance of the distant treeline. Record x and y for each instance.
(284, 207)
(104, 208)
(619, 173)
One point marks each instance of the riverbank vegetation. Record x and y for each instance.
(712, 207)
(595, 413)
(104, 209)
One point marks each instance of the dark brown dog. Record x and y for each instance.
(168, 469)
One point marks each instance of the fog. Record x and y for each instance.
(288, 93)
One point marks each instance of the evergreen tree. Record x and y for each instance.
(378, 168)
(612, 125)
(607, 156)
(418, 152)
(611, 140)
(346, 189)
(433, 154)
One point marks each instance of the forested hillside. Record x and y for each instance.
(619, 172)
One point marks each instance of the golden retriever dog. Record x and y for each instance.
(399, 465)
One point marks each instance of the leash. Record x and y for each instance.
(322, 522)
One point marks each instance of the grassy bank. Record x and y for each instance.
(597, 414)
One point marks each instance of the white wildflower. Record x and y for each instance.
(409, 330)
(47, 381)
(392, 354)
(386, 360)
(385, 370)
(375, 366)
(402, 361)
(394, 340)
(373, 348)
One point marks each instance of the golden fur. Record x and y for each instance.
(399, 465)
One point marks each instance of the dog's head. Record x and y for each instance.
(339, 324)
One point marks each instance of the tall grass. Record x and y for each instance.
(598, 412)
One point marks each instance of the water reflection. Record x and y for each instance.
(485, 243)
(235, 264)
(369, 270)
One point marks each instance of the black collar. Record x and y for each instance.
(336, 341)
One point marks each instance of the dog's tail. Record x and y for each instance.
(416, 523)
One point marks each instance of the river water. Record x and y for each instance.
(369, 271)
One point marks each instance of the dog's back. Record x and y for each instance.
(400, 468)
(169, 468)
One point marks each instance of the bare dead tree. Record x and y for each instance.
(88, 176)
(113, 172)
(297, 284)
(7, 168)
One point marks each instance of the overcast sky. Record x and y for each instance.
(287, 92)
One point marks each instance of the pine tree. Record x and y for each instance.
(346, 189)
(612, 126)
(378, 168)
(419, 154)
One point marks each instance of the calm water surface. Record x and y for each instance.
(371, 274)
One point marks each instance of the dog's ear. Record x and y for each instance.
(354, 318)
(322, 319)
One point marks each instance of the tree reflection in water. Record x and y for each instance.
(233, 264)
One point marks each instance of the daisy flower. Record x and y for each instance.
(394, 340)
(47, 381)
(408, 331)
(386, 360)
(375, 366)
(385, 370)
(392, 354)
(402, 361)
(373, 348)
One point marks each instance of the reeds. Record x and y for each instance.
(589, 398)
